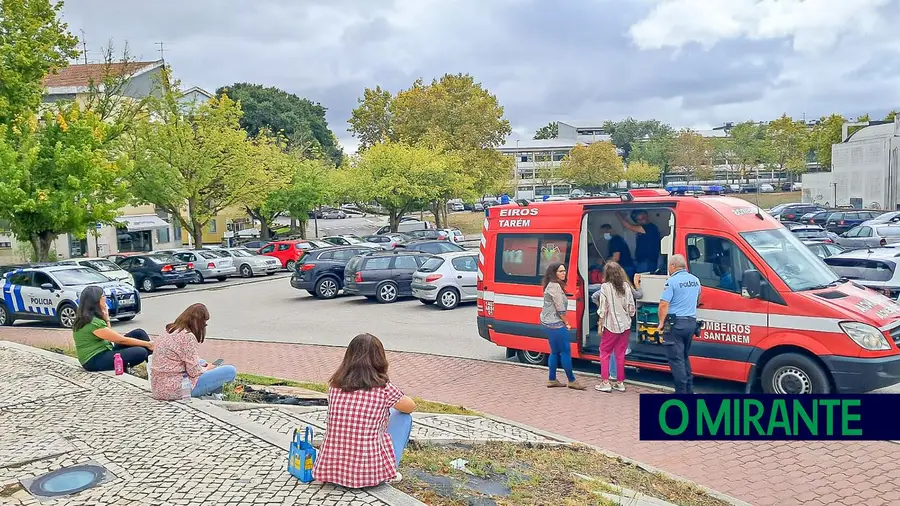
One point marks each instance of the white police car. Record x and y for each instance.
(51, 294)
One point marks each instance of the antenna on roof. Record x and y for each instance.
(162, 50)
(84, 47)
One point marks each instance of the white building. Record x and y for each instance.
(865, 169)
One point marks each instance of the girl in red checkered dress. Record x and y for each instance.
(368, 420)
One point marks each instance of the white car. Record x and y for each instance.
(104, 266)
(455, 235)
(766, 188)
(352, 240)
(52, 293)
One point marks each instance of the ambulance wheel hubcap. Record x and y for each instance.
(67, 317)
(791, 380)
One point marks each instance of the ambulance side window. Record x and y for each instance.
(717, 262)
(523, 258)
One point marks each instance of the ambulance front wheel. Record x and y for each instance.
(793, 373)
(531, 357)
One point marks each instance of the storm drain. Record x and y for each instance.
(68, 480)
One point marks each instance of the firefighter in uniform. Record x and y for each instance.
(678, 321)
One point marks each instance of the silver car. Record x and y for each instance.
(207, 264)
(447, 279)
(874, 268)
(104, 266)
(870, 236)
(248, 263)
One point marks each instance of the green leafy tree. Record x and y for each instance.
(548, 131)
(690, 152)
(545, 173)
(33, 43)
(788, 144)
(59, 178)
(627, 132)
(197, 163)
(891, 115)
(593, 166)
(398, 177)
(827, 131)
(273, 111)
(654, 150)
(640, 171)
(745, 147)
(372, 122)
(312, 184)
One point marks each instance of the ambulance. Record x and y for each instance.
(775, 317)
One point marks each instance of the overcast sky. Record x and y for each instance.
(694, 63)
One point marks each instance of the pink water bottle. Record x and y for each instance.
(118, 364)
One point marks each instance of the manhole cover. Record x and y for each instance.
(68, 480)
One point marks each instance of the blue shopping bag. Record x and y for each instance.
(302, 455)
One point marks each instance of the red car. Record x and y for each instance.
(290, 252)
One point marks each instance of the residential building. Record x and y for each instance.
(865, 169)
(73, 83)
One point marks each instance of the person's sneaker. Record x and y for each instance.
(603, 387)
(554, 384)
(575, 385)
(396, 479)
(619, 386)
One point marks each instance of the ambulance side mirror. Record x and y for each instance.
(47, 286)
(751, 284)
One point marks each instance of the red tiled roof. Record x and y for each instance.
(83, 74)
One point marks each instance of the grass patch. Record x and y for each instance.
(770, 200)
(538, 475)
(468, 222)
(423, 406)
(10, 490)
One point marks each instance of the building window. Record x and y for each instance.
(212, 227)
(4, 244)
(134, 241)
(525, 257)
(526, 157)
(542, 156)
(561, 189)
(176, 232)
(526, 173)
(558, 156)
(162, 235)
(542, 190)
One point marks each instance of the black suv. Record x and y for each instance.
(384, 276)
(321, 271)
(841, 221)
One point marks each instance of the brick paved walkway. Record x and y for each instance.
(762, 473)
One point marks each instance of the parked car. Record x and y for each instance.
(208, 264)
(154, 270)
(434, 247)
(456, 207)
(839, 221)
(104, 266)
(477, 206)
(384, 276)
(766, 188)
(869, 236)
(748, 188)
(289, 252)
(824, 249)
(873, 268)
(454, 234)
(253, 245)
(248, 264)
(51, 294)
(809, 232)
(430, 235)
(115, 258)
(791, 187)
(351, 240)
(406, 226)
(793, 212)
(884, 218)
(321, 271)
(447, 279)
(384, 241)
(335, 214)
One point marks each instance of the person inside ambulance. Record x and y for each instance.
(647, 247)
(619, 251)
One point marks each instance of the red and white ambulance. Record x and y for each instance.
(774, 314)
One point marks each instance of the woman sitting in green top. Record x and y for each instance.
(96, 343)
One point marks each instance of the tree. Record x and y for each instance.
(371, 121)
(654, 150)
(33, 42)
(548, 131)
(398, 177)
(745, 147)
(827, 131)
(690, 151)
(593, 166)
(891, 115)
(788, 144)
(545, 172)
(640, 171)
(59, 178)
(627, 132)
(273, 111)
(196, 163)
(311, 185)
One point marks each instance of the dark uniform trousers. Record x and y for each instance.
(678, 348)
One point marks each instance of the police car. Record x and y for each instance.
(51, 294)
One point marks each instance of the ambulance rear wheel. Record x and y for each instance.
(793, 373)
(5, 316)
(532, 357)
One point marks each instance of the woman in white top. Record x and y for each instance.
(616, 308)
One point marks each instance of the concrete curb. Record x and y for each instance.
(383, 492)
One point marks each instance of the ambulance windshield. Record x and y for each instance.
(795, 264)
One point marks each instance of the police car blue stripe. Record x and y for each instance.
(20, 304)
(7, 295)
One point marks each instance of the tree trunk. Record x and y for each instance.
(436, 211)
(41, 243)
(394, 219)
(197, 233)
(294, 225)
(263, 228)
(300, 225)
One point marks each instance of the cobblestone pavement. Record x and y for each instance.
(761, 473)
(427, 427)
(56, 415)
